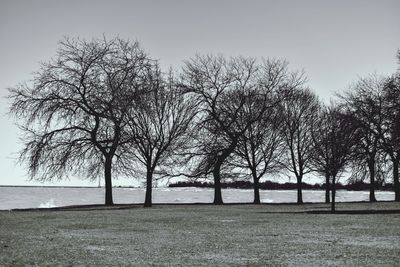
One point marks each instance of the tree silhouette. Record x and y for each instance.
(365, 102)
(390, 126)
(334, 136)
(299, 108)
(261, 147)
(320, 159)
(160, 125)
(226, 88)
(74, 112)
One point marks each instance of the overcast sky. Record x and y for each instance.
(335, 42)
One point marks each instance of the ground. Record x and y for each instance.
(203, 235)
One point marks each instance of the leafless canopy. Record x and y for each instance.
(299, 108)
(364, 103)
(74, 111)
(160, 126)
(234, 94)
(334, 137)
(390, 127)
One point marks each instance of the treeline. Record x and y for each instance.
(269, 185)
(104, 107)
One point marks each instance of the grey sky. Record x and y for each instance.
(335, 42)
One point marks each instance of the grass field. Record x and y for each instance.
(202, 235)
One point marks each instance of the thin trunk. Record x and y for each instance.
(333, 188)
(396, 180)
(371, 167)
(327, 185)
(149, 187)
(217, 184)
(108, 181)
(256, 188)
(299, 191)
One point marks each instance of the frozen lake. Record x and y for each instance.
(46, 197)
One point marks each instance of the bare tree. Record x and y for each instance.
(390, 126)
(299, 109)
(334, 136)
(160, 125)
(261, 147)
(225, 88)
(320, 159)
(73, 112)
(365, 103)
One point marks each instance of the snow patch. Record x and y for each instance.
(48, 204)
(227, 221)
(267, 200)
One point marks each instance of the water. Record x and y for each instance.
(47, 197)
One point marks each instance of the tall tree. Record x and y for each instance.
(365, 103)
(261, 148)
(334, 136)
(160, 125)
(299, 109)
(225, 88)
(390, 126)
(320, 159)
(73, 112)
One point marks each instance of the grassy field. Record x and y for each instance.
(202, 235)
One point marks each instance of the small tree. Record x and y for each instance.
(299, 109)
(160, 125)
(73, 113)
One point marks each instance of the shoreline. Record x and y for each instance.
(88, 207)
(198, 187)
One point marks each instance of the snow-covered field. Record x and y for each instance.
(46, 197)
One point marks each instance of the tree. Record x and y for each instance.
(260, 149)
(334, 136)
(364, 103)
(320, 159)
(225, 88)
(299, 108)
(160, 124)
(390, 127)
(73, 113)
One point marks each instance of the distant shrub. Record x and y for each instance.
(269, 185)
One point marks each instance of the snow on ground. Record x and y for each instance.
(205, 235)
(47, 197)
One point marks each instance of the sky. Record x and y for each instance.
(334, 42)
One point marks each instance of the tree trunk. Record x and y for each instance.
(299, 191)
(396, 180)
(256, 188)
(333, 188)
(149, 188)
(217, 172)
(371, 167)
(217, 184)
(108, 181)
(327, 189)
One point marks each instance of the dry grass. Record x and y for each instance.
(202, 235)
